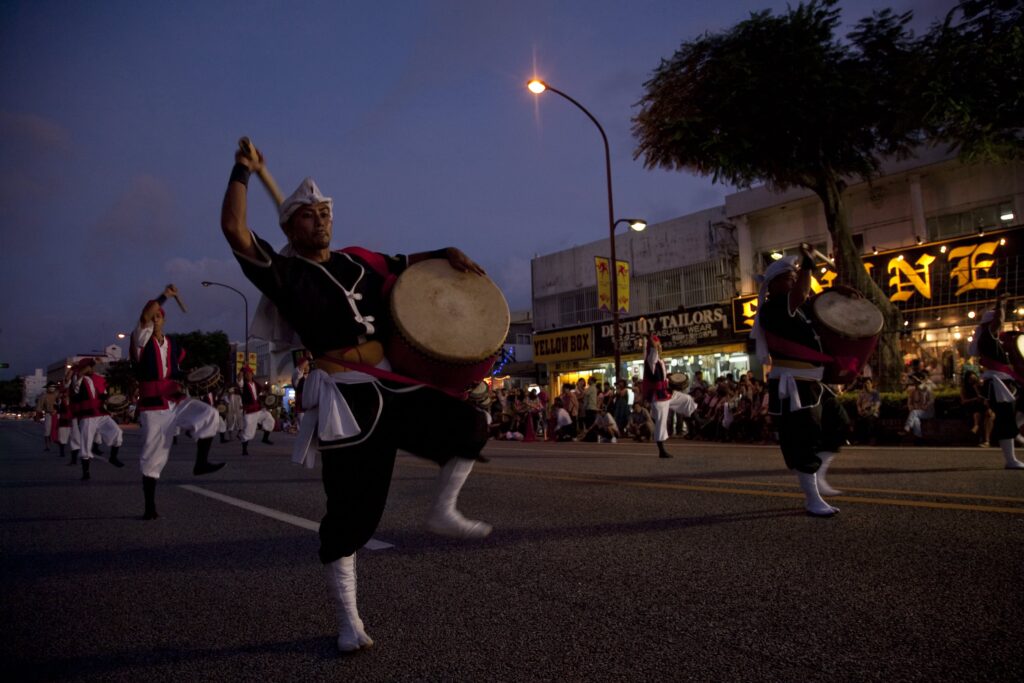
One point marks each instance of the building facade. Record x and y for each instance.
(939, 237)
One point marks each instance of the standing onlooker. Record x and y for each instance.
(869, 404)
(620, 405)
(976, 405)
(590, 407)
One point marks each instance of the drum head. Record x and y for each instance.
(270, 400)
(117, 402)
(847, 316)
(202, 374)
(678, 380)
(1020, 346)
(449, 315)
(222, 408)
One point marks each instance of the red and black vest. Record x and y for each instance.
(90, 403)
(250, 398)
(156, 385)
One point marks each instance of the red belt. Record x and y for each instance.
(160, 388)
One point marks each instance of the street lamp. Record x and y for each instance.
(537, 87)
(221, 284)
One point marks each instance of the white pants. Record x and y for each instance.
(914, 422)
(102, 429)
(262, 420)
(75, 435)
(680, 403)
(63, 434)
(47, 425)
(159, 427)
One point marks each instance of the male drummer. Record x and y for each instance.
(163, 407)
(47, 405)
(999, 386)
(94, 423)
(336, 303)
(256, 416)
(810, 421)
(656, 391)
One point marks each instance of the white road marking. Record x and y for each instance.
(373, 544)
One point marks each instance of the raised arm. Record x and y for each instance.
(232, 213)
(152, 308)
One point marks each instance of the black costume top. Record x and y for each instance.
(331, 305)
(796, 328)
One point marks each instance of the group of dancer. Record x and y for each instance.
(357, 412)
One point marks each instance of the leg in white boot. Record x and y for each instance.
(341, 582)
(815, 504)
(1012, 463)
(444, 519)
(823, 486)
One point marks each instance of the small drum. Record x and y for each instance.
(449, 325)
(480, 395)
(222, 409)
(270, 401)
(203, 380)
(678, 381)
(848, 328)
(117, 405)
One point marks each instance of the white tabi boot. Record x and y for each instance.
(816, 505)
(823, 486)
(1012, 463)
(444, 519)
(341, 583)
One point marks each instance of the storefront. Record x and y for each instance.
(941, 288)
(698, 339)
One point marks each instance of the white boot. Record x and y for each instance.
(341, 583)
(1012, 463)
(823, 486)
(815, 505)
(444, 519)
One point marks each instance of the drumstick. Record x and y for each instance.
(180, 304)
(817, 254)
(245, 144)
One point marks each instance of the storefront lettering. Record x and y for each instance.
(971, 265)
(566, 343)
(907, 279)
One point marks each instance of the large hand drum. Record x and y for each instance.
(203, 380)
(449, 325)
(848, 328)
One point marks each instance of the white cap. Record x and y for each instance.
(307, 193)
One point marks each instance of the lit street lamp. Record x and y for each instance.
(221, 284)
(537, 87)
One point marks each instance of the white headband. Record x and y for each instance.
(307, 193)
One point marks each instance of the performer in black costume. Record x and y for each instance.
(1001, 384)
(811, 423)
(336, 303)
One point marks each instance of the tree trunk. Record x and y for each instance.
(887, 362)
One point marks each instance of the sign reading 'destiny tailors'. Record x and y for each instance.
(676, 329)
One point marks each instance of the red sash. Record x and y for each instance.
(1001, 367)
(845, 364)
(159, 388)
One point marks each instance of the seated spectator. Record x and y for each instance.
(739, 429)
(919, 402)
(975, 404)
(869, 403)
(564, 425)
(641, 424)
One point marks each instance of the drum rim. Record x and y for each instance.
(215, 372)
(821, 297)
(404, 332)
(111, 398)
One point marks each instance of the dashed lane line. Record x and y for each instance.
(300, 522)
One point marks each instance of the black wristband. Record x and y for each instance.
(240, 174)
(161, 299)
(807, 263)
(439, 253)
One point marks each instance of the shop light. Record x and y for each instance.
(874, 250)
(956, 335)
(776, 255)
(981, 232)
(971, 338)
(900, 257)
(971, 314)
(918, 239)
(906, 323)
(942, 249)
(922, 324)
(1006, 216)
(1002, 241)
(1020, 311)
(824, 270)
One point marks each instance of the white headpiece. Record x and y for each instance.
(784, 265)
(307, 193)
(986, 318)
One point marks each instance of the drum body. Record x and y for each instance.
(117, 405)
(678, 381)
(1013, 343)
(203, 380)
(449, 325)
(270, 401)
(848, 328)
(222, 409)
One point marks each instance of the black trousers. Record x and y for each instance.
(1004, 426)
(805, 433)
(357, 471)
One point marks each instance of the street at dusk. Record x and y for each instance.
(606, 564)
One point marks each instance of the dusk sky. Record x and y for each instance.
(119, 121)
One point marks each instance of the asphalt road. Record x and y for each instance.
(606, 564)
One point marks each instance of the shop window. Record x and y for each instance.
(965, 222)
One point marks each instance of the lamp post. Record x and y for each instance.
(537, 87)
(221, 284)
